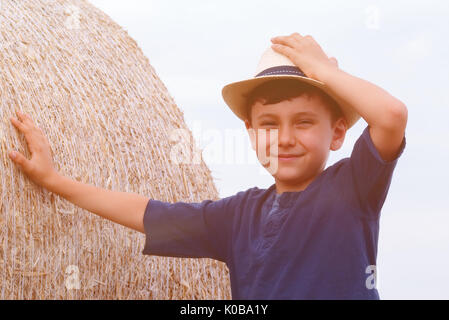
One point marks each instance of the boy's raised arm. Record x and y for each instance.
(385, 114)
(124, 208)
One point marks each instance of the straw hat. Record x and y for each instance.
(274, 65)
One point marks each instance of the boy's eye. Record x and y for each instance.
(273, 124)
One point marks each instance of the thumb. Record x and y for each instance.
(19, 159)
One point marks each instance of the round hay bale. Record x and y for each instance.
(109, 120)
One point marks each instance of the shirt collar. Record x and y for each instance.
(287, 198)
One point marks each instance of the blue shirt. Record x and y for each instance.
(319, 243)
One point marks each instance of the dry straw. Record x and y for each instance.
(108, 117)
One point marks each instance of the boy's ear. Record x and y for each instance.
(339, 134)
(247, 124)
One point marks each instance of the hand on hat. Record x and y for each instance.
(305, 53)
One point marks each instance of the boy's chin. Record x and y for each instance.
(284, 171)
(287, 174)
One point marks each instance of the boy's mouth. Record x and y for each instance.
(285, 157)
(288, 157)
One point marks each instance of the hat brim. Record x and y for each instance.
(235, 95)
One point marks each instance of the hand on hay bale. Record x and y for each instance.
(124, 208)
(96, 91)
(39, 168)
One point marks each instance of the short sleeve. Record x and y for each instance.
(189, 230)
(371, 174)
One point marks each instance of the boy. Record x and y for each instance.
(311, 235)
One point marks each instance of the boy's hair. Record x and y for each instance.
(278, 90)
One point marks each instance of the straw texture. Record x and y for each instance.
(108, 118)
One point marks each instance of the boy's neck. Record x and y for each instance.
(282, 186)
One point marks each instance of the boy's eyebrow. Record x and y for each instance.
(302, 113)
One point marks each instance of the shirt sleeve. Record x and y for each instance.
(371, 174)
(189, 230)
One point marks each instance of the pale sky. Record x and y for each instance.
(197, 47)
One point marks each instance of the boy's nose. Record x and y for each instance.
(286, 136)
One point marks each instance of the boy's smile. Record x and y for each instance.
(296, 136)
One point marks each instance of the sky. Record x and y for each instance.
(197, 47)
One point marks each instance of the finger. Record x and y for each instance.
(296, 35)
(285, 50)
(19, 115)
(285, 40)
(32, 140)
(32, 135)
(26, 119)
(20, 160)
(19, 125)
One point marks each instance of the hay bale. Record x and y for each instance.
(108, 117)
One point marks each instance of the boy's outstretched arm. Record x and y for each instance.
(124, 208)
(386, 115)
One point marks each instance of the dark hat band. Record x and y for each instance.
(290, 70)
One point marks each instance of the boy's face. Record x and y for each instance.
(304, 130)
